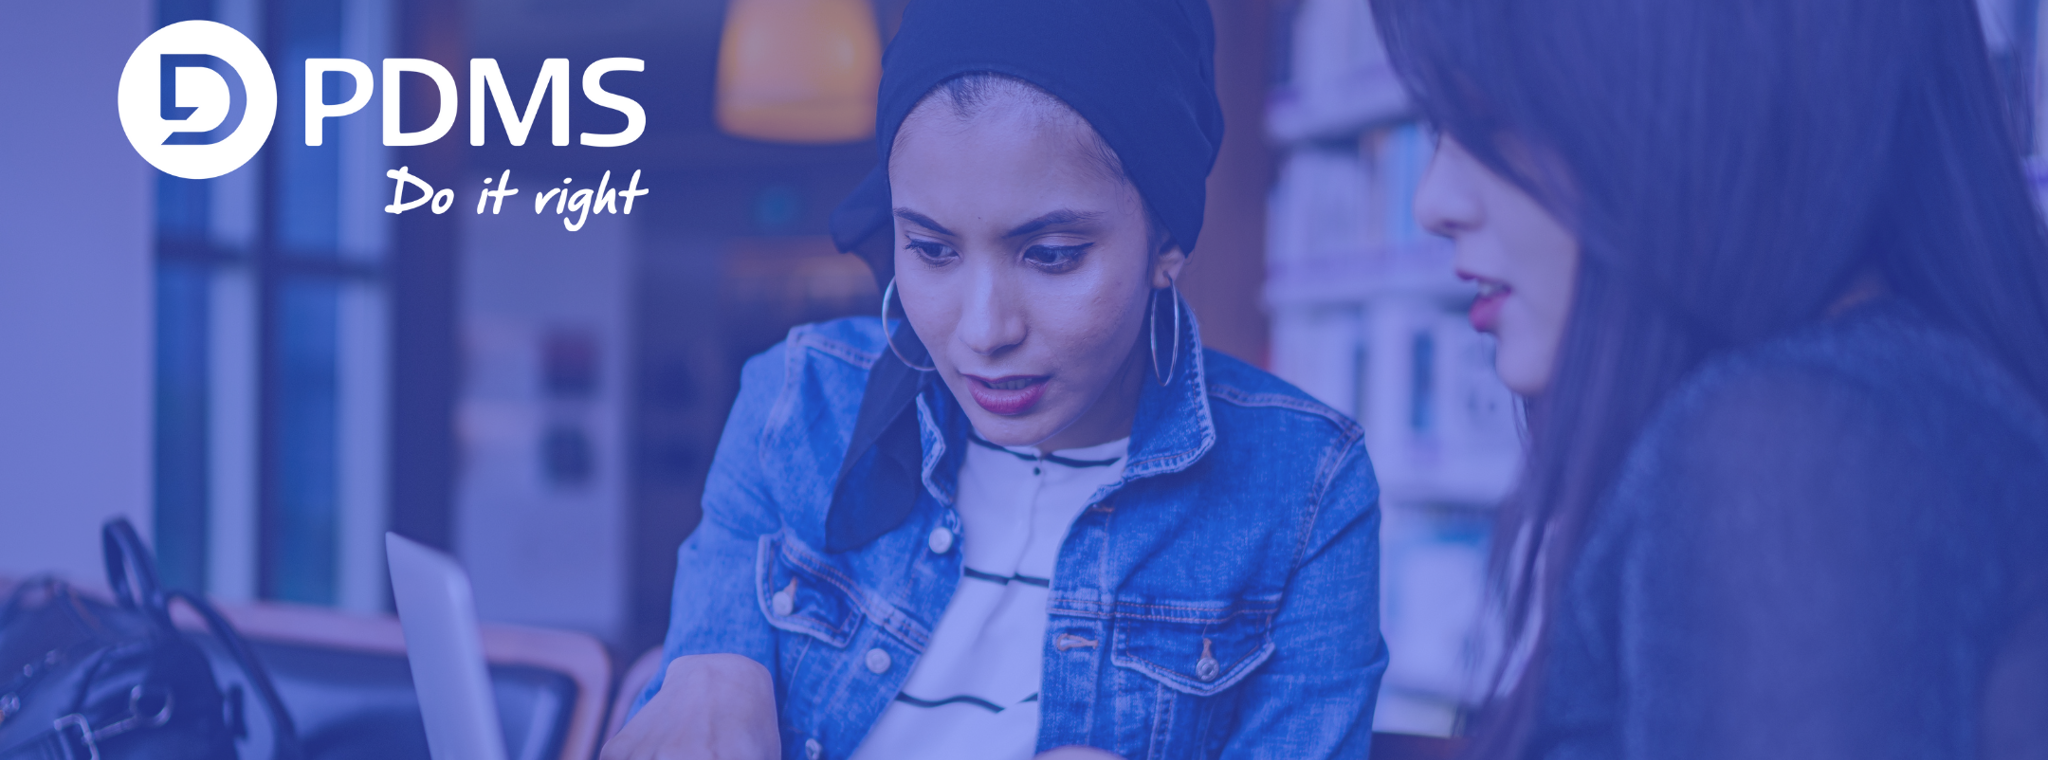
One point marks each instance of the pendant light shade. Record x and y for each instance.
(799, 71)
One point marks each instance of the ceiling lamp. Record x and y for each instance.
(799, 71)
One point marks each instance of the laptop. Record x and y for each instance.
(446, 652)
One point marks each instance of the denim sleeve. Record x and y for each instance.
(1314, 697)
(713, 609)
(1765, 586)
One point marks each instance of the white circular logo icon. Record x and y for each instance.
(197, 99)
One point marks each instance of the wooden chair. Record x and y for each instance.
(345, 679)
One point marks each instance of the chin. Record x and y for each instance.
(1520, 378)
(1007, 431)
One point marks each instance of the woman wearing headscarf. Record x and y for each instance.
(1031, 512)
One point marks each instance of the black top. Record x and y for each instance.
(1832, 545)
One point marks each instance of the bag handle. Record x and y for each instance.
(284, 735)
(126, 555)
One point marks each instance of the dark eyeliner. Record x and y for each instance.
(1070, 256)
(931, 253)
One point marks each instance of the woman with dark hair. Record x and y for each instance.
(1771, 282)
(1032, 513)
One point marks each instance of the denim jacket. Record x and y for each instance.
(1220, 600)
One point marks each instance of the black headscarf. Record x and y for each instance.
(1141, 72)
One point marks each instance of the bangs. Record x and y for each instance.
(1453, 59)
(1435, 51)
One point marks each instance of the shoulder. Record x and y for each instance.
(797, 405)
(826, 357)
(1873, 418)
(1827, 475)
(1238, 389)
(1884, 370)
(1269, 432)
(854, 342)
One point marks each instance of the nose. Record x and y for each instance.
(992, 319)
(1444, 202)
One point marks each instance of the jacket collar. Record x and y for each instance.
(877, 490)
(1172, 431)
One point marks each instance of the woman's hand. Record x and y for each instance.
(710, 707)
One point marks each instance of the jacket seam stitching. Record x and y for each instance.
(1327, 472)
(1168, 618)
(1245, 399)
(844, 631)
(838, 349)
(890, 622)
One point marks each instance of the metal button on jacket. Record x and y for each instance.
(878, 661)
(941, 540)
(1207, 668)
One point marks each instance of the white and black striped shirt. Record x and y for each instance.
(974, 691)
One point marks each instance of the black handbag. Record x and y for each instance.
(81, 679)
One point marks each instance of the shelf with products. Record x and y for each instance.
(1367, 315)
(1338, 82)
(1357, 100)
(1420, 269)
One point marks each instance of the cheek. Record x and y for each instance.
(1103, 309)
(1542, 267)
(1081, 326)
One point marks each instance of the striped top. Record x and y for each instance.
(974, 691)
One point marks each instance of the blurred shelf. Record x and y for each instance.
(1418, 269)
(1478, 482)
(1361, 99)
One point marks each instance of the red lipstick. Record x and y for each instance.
(1007, 396)
(1486, 306)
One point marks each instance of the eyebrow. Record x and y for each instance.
(922, 221)
(1057, 218)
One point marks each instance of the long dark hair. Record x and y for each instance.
(1730, 168)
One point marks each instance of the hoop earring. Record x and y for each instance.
(1152, 333)
(889, 338)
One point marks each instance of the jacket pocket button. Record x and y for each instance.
(1207, 668)
(878, 661)
(784, 601)
(813, 750)
(941, 540)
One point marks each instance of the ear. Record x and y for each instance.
(1166, 267)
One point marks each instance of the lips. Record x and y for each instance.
(1485, 314)
(1007, 396)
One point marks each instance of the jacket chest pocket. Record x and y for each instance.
(1201, 649)
(798, 592)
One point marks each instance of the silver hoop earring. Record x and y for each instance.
(1152, 333)
(889, 338)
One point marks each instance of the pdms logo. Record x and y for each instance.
(197, 99)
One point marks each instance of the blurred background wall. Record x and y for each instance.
(75, 286)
